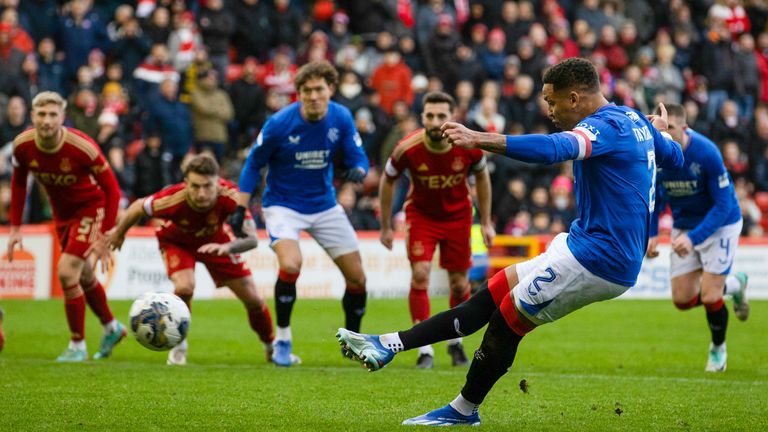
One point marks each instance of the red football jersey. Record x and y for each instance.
(184, 225)
(439, 188)
(70, 174)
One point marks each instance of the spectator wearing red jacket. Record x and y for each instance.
(392, 80)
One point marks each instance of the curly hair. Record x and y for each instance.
(573, 73)
(317, 69)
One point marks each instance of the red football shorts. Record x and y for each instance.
(424, 234)
(77, 234)
(221, 268)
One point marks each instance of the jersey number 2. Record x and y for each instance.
(652, 169)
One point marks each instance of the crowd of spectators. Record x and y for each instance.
(155, 80)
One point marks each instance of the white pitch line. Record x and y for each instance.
(263, 366)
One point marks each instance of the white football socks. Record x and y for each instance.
(427, 349)
(110, 326)
(464, 406)
(456, 341)
(283, 333)
(77, 345)
(182, 346)
(732, 285)
(391, 341)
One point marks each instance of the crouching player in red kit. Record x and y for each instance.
(193, 214)
(84, 195)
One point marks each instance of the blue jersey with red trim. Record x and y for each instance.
(615, 152)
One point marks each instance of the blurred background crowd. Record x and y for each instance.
(155, 80)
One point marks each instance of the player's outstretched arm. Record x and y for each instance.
(534, 148)
(238, 245)
(116, 236)
(461, 136)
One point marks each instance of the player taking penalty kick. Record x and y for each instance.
(84, 194)
(193, 214)
(438, 210)
(615, 150)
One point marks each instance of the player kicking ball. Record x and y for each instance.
(615, 150)
(193, 214)
(705, 235)
(84, 195)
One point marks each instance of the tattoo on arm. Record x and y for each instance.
(242, 244)
(246, 243)
(495, 143)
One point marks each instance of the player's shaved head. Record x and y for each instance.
(673, 110)
(573, 74)
(49, 97)
(203, 164)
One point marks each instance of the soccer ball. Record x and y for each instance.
(159, 321)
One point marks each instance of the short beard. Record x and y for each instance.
(431, 135)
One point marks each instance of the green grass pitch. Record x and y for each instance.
(613, 366)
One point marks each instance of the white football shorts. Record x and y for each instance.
(330, 228)
(554, 284)
(714, 255)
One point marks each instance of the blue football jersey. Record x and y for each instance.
(615, 151)
(299, 156)
(701, 193)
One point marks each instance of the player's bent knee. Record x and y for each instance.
(420, 278)
(499, 287)
(711, 299)
(515, 320)
(356, 285)
(686, 304)
(459, 294)
(68, 278)
(184, 289)
(290, 268)
(88, 281)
